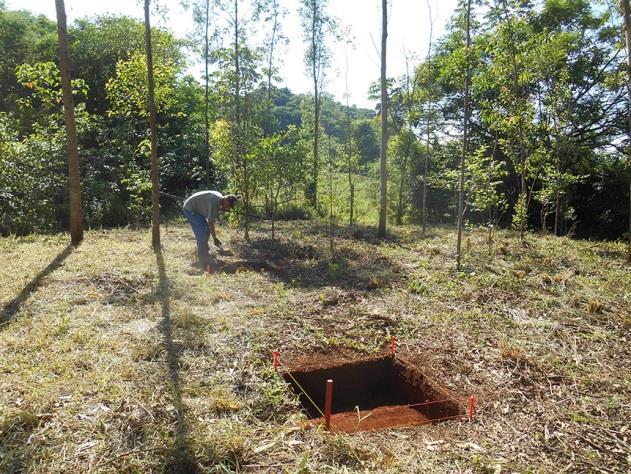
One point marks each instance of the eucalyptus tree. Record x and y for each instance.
(318, 28)
(428, 87)
(203, 16)
(76, 220)
(235, 79)
(404, 109)
(381, 231)
(348, 149)
(627, 24)
(275, 13)
(151, 105)
(465, 132)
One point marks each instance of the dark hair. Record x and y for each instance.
(232, 199)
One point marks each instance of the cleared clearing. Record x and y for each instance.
(113, 359)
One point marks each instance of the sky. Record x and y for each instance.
(408, 35)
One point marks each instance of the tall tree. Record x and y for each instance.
(76, 219)
(316, 24)
(429, 119)
(155, 196)
(236, 77)
(381, 232)
(349, 149)
(206, 108)
(409, 116)
(627, 25)
(465, 131)
(276, 14)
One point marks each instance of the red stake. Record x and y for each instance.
(392, 345)
(209, 269)
(328, 399)
(472, 401)
(275, 360)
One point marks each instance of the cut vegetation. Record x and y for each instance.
(115, 360)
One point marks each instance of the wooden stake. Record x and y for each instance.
(328, 400)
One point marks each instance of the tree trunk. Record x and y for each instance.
(402, 181)
(316, 105)
(330, 196)
(76, 219)
(239, 128)
(206, 118)
(429, 118)
(557, 213)
(155, 196)
(270, 63)
(352, 205)
(349, 149)
(274, 204)
(465, 138)
(627, 24)
(384, 121)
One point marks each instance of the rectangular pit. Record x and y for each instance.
(388, 391)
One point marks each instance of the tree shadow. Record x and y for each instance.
(305, 266)
(12, 308)
(180, 460)
(19, 453)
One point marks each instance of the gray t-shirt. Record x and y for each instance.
(206, 203)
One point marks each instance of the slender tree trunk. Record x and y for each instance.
(206, 118)
(155, 196)
(316, 99)
(270, 63)
(402, 180)
(557, 213)
(349, 150)
(274, 207)
(429, 118)
(465, 138)
(627, 24)
(521, 155)
(76, 219)
(384, 121)
(330, 196)
(239, 126)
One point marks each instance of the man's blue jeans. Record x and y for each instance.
(199, 224)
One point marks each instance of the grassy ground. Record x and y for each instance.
(113, 359)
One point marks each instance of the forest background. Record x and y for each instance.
(548, 133)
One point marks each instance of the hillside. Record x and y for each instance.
(115, 360)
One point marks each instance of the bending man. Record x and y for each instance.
(201, 209)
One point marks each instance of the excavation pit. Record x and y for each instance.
(388, 391)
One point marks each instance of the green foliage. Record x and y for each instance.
(520, 218)
(137, 182)
(404, 154)
(279, 166)
(99, 44)
(548, 102)
(32, 178)
(24, 39)
(127, 92)
(484, 177)
(44, 101)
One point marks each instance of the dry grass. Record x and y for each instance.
(113, 359)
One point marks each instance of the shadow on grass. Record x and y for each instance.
(12, 308)
(18, 452)
(180, 460)
(305, 266)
